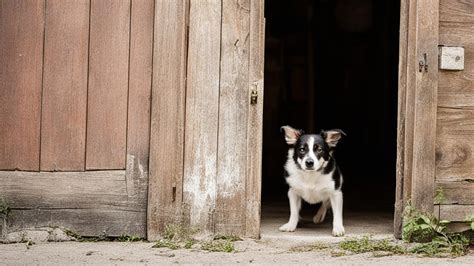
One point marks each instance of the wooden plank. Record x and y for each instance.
(457, 192)
(456, 11)
(402, 90)
(85, 222)
(455, 212)
(454, 145)
(21, 54)
(426, 87)
(202, 101)
(63, 131)
(456, 88)
(233, 112)
(167, 115)
(139, 97)
(410, 101)
(87, 202)
(253, 186)
(108, 84)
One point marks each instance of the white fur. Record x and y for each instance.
(313, 187)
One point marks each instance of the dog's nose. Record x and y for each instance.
(309, 163)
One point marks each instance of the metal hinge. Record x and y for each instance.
(423, 64)
(254, 95)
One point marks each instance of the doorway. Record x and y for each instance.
(333, 64)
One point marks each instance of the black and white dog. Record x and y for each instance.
(313, 175)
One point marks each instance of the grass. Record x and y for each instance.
(308, 248)
(4, 208)
(179, 237)
(366, 244)
(129, 238)
(220, 245)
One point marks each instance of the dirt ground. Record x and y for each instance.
(247, 252)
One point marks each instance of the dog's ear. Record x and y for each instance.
(332, 136)
(291, 134)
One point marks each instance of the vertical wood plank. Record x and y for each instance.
(65, 85)
(255, 120)
(139, 94)
(21, 57)
(108, 84)
(401, 118)
(202, 101)
(426, 87)
(410, 69)
(167, 115)
(233, 112)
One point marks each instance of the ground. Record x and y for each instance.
(273, 248)
(248, 252)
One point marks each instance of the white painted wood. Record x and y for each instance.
(451, 58)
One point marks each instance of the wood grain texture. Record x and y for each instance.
(139, 94)
(455, 212)
(411, 64)
(456, 11)
(167, 115)
(202, 111)
(426, 87)
(63, 131)
(233, 112)
(457, 192)
(454, 145)
(255, 120)
(456, 88)
(89, 203)
(402, 90)
(21, 54)
(108, 84)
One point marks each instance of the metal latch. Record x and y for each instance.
(423, 64)
(254, 95)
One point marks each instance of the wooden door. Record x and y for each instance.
(205, 153)
(435, 133)
(75, 113)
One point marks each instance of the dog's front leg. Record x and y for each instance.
(336, 204)
(295, 206)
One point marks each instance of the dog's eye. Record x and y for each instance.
(319, 150)
(301, 150)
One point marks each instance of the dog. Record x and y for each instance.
(313, 175)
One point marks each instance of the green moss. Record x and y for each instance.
(129, 238)
(308, 248)
(218, 246)
(4, 208)
(366, 244)
(177, 237)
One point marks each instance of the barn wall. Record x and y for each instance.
(76, 102)
(455, 121)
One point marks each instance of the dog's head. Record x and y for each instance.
(311, 151)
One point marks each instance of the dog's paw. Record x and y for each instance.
(338, 230)
(319, 217)
(288, 227)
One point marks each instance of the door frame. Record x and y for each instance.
(417, 107)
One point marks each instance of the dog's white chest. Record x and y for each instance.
(312, 187)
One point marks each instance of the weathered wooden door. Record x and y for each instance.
(75, 85)
(206, 126)
(436, 133)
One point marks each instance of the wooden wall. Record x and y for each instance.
(75, 97)
(455, 121)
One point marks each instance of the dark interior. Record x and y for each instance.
(334, 64)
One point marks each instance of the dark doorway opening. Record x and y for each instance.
(333, 64)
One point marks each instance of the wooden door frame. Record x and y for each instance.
(417, 107)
